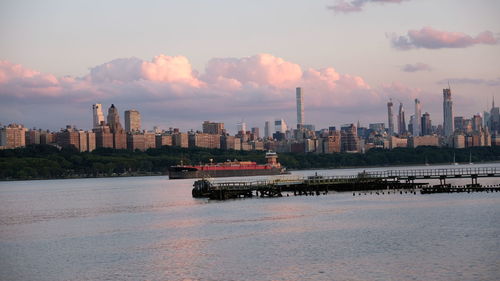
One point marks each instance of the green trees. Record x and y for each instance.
(48, 162)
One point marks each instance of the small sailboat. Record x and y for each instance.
(454, 162)
(470, 159)
(426, 162)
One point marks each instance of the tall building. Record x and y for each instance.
(401, 120)
(103, 137)
(477, 122)
(486, 119)
(241, 127)
(163, 140)
(426, 124)
(349, 138)
(69, 137)
(331, 143)
(300, 107)
(280, 126)
(114, 119)
(132, 120)
(97, 114)
(33, 137)
(267, 130)
(213, 128)
(494, 118)
(180, 139)
(204, 140)
(390, 116)
(12, 136)
(119, 136)
(135, 141)
(417, 126)
(447, 113)
(256, 132)
(458, 123)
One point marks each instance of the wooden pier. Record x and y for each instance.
(365, 181)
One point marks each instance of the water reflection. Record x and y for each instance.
(151, 229)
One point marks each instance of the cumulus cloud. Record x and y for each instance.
(430, 38)
(169, 69)
(167, 90)
(472, 81)
(19, 81)
(262, 69)
(344, 6)
(416, 67)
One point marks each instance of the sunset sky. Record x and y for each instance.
(182, 62)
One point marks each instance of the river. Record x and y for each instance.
(150, 228)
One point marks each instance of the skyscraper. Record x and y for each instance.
(426, 124)
(417, 126)
(256, 132)
(401, 120)
(116, 129)
(114, 119)
(494, 118)
(267, 130)
(241, 127)
(447, 113)
(97, 114)
(300, 107)
(477, 122)
(213, 128)
(280, 126)
(390, 117)
(132, 120)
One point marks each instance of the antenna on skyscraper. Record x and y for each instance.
(449, 87)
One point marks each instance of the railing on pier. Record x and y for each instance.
(423, 173)
(397, 175)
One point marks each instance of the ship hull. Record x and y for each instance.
(189, 174)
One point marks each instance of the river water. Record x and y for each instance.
(150, 228)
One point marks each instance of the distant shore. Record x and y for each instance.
(158, 174)
(38, 162)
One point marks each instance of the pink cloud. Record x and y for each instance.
(262, 69)
(19, 81)
(168, 69)
(176, 69)
(344, 6)
(430, 38)
(167, 89)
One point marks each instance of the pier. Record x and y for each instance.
(364, 181)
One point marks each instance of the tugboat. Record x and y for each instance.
(228, 169)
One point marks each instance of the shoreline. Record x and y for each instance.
(152, 174)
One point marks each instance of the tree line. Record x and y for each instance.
(49, 162)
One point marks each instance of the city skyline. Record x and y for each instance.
(213, 72)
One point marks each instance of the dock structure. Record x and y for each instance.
(440, 174)
(364, 181)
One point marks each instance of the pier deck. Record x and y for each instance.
(316, 185)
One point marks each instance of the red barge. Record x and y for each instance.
(228, 169)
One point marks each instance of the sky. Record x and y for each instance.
(182, 62)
